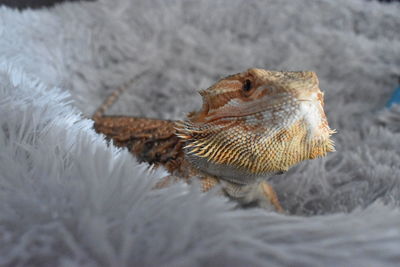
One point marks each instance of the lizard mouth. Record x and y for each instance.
(265, 110)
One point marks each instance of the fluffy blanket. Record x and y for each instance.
(68, 199)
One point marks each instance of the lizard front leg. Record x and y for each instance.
(263, 193)
(268, 193)
(260, 193)
(206, 183)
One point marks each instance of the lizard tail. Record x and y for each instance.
(112, 98)
(108, 102)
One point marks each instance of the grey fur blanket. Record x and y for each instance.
(68, 199)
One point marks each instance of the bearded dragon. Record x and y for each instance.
(252, 125)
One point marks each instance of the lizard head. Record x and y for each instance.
(256, 123)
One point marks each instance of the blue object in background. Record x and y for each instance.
(395, 98)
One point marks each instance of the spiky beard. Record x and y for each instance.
(253, 150)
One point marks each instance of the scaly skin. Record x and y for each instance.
(252, 125)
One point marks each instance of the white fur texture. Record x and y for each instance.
(67, 199)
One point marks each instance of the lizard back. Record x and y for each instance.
(150, 140)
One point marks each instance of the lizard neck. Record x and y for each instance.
(242, 154)
(229, 152)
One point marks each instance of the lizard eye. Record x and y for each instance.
(247, 86)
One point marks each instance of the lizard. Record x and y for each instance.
(251, 126)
